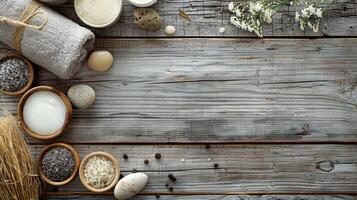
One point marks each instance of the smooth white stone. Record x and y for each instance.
(222, 30)
(100, 61)
(130, 185)
(81, 95)
(170, 30)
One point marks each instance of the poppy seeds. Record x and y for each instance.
(58, 164)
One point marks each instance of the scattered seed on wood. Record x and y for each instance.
(184, 15)
(58, 164)
(215, 165)
(172, 177)
(14, 75)
(158, 155)
(125, 156)
(171, 188)
(157, 196)
(167, 185)
(134, 170)
(146, 161)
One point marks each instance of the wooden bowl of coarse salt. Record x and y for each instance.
(16, 74)
(58, 164)
(44, 112)
(99, 171)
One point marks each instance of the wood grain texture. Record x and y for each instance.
(217, 90)
(209, 15)
(208, 197)
(242, 169)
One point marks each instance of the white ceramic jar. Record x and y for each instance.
(53, 2)
(142, 3)
(98, 13)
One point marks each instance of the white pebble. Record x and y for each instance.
(182, 160)
(81, 95)
(170, 30)
(222, 30)
(209, 159)
(130, 185)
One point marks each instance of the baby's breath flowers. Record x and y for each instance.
(250, 15)
(309, 17)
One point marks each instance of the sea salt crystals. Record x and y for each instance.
(44, 112)
(14, 75)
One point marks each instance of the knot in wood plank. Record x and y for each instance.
(325, 166)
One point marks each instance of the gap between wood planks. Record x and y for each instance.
(207, 193)
(240, 142)
(228, 37)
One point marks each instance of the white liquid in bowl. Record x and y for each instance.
(44, 112)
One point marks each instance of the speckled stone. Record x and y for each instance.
(81, 95)
(147, 19)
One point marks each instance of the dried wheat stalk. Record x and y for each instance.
(18, 177)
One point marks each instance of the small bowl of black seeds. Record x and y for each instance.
(58, 164)
(16, 74)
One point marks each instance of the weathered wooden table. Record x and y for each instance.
(278, 115)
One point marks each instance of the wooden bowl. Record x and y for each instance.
(31, 78)
(108, 156)
(42, 154)
(21, 105)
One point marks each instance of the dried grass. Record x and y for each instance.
(18, 177)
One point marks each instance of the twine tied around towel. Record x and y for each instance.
(23, 22)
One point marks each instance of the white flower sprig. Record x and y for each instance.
(250, 15)
(310, 17)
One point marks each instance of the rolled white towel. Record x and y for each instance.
(61, 46)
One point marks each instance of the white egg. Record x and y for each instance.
(130, 185)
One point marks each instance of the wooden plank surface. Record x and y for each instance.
(209, 15)
(211, 197)
(242, 169)
(218, 90)
(186, 90)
